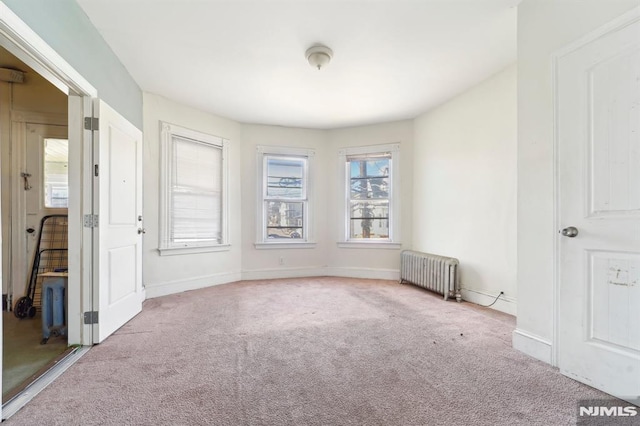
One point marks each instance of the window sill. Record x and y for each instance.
(284, 245)
(193, 250)
(370, 245)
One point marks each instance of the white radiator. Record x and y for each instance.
(432, 272)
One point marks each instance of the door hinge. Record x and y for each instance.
(91, 123)
(90, 220)
(91, 317)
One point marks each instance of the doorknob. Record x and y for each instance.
(30, 230)
(570, 232)
(142, 231)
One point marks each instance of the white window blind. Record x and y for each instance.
(196, 190)
(193, 192)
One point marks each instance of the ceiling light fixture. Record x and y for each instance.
(319, 56)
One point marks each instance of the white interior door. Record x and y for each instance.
(45, 187)
(598, 89)
(118, 203)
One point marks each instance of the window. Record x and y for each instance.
(368, 195)
(56, 173)
(193, 193)
(283, 197)
(370, 208)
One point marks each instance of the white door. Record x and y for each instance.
(118, 203)
(45, 186)
(598, 118)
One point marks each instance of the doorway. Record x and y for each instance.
(105, 221)
(34, 186)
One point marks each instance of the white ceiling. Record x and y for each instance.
(244, 59)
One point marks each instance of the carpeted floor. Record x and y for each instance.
(316, 351)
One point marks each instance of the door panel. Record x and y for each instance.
(118, 150)
(598, 95)
(615, 295)
(615, 117)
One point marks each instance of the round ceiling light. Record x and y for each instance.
(319, 56)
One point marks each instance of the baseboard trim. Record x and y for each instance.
(178, 286)
(172, 287)
(503, 304)
(270, 274)
(532, 345)
(366, 273)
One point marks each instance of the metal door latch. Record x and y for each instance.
(25, 176)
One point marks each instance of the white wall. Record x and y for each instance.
(465, 187)
(67, 29)
(170, 274)
(265, 263)
(326, 258)
(359, 262)
(544, 27)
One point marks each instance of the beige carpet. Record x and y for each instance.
(319, 351)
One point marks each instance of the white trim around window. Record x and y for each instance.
(390, 153)
(285, 213)
(194, 207)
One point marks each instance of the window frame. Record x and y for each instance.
(263, 153)
(344, 237)
(165, 245)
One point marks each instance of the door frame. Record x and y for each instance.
(19, 123)
(19, 39)
(616, 24)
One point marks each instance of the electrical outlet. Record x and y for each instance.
(281, 261)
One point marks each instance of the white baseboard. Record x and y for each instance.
(321, 271)
(171, 287)
(503, 304)
(532, 345)
(366, 273)
(178, 286)
(274, 273)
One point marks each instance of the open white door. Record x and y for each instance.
(598, 120)
(117, 274)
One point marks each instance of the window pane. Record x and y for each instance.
(56, 173)
(284, 220)
(369, 188)
(369, 219)
(196, 192)
(285, 177)
(377, 167)
(369, 178)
